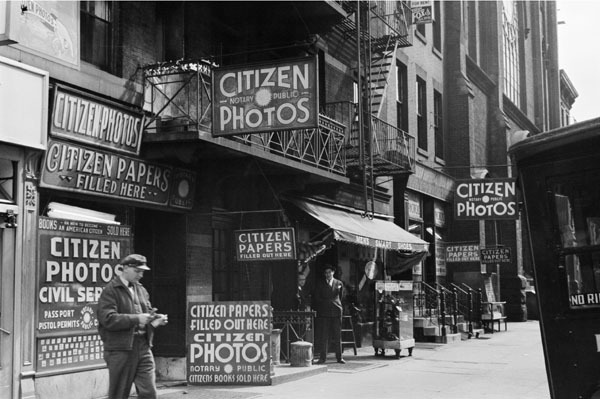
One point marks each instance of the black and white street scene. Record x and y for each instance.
(325, 199)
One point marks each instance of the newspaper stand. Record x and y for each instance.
(394, 317)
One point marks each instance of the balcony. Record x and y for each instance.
(178, 101)
(393, 150)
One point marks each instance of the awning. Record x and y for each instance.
(353, 228)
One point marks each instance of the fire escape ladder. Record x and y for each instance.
(381, 66)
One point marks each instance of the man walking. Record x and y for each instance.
(126, 326)
(327, 301)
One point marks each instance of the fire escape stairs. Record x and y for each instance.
(382, 63)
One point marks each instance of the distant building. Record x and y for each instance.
(568, 94)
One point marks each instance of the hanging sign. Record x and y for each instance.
(422, 11)
(265, 244)
(265, 97)
(228, 343)
(462, 253)
(485, 199)
(495, 255)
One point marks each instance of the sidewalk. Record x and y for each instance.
(495, 366)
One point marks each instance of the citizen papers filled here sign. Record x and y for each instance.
(265, 244)
(485, 199)
(495, 255)
(265, 97)
(462, 253)
(229, 343)
(75, 168)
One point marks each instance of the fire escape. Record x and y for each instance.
(375, 30)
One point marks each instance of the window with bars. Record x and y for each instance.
(438, 124)
(97, 33)
(510, 46)
(421, 107)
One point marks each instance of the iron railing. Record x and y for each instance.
(295, 326)
(177, 98)
(427, 303)
(393, 150)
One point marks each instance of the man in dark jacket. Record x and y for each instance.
(327, 301)
(126, 326)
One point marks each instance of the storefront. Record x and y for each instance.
(91, 188)
(353, 242)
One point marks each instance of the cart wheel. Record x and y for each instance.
(410, 351)
(397, 353)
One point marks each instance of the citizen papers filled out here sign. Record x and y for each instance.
(495, 255)
(462, 253)
(485, 199)
(229, 343)
(265, 97)
(265, 244)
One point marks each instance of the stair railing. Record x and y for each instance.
(464, 304)
(476, 305)
(448, 302)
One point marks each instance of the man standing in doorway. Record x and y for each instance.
(327, 301)
(126, 326)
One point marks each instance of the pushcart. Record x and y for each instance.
(394, 317)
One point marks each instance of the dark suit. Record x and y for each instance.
(327, 302)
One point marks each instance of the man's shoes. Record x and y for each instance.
(320, 361)
(342, 361)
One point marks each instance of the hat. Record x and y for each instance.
(329, 266)
(135, 260)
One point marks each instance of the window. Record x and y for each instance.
(401, 97)
(421, 114)
(437, 26)
(421, 29)
(510, 46)
(97, 33)
(7, 181)
(438, 127)
(472, 30)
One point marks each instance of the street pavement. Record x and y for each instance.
(495, 366)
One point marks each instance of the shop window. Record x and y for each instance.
(96, 29)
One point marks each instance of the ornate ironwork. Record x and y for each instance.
(295, 326)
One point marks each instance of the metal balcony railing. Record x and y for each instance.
(393, 150)
(177, 98)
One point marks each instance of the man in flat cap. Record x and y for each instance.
(126, 326)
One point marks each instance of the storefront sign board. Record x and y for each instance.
(265, 244)
(75, 168)
(76, 260)
(422, 11)
(462, 253)
(485, 199)
(265, 97)
(229, 343)
(88, 119)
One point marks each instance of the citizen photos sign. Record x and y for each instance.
(481, 199)
(265, 97)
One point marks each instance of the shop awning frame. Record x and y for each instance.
(350, 227)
